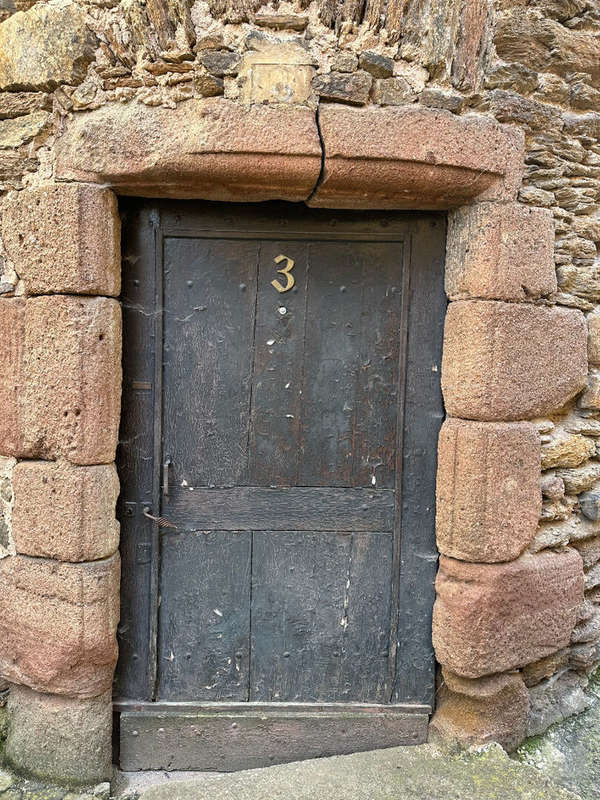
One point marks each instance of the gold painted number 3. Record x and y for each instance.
(287, 271)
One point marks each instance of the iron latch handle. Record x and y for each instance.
(163, 522)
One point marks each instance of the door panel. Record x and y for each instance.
(204, 616)
(210, 299)
(320, 617)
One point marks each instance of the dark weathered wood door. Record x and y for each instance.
(281, 410)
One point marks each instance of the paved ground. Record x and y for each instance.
(403, 773)
(569, 753)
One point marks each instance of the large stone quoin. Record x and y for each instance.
(488, 112)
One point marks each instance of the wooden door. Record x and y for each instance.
(281, 411)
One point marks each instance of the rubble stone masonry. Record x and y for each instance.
(489, 109)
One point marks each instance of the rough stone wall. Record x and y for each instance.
(535, 64)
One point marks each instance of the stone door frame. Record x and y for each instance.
(509, 356)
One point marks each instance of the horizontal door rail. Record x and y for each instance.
(294, 508)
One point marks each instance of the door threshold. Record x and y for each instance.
(225, 737)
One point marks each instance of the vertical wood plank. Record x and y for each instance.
(423, 416)
(204, 616)
(332, 361)
(276, 416)
(135, 452)
(378, 380)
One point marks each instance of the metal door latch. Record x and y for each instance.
(162, 521)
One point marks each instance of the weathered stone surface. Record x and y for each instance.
(500, 253)
(13, 166)
(439, 160)
(584, 657)
(60, 382)
(592, 577)
(280, 22)
(344, 87)
(60, 739)
(538, 671)
(552, 89)
(48, 45)
(589, 503)
(488, 493)
(490, 709)
(508, 361)
(495, 617)
(569, 752)
(17, 104)
(545, 45)
(212, 148)
(12, 378)
(582, 423)
(393, 92)
(551, 534)
(567, 450)
(553, 487)
(379, 66)
(220, 62)
(276, 73)
(6, 780)
(344, 61)
(208, 85)
(587, 629)
(159, 27)
(517, 77)
(64, 239)
(582, 280)
(556, 699)
(589, 550)
(511, 107)
(593, 322)
(58, 624)
(537, 197)
(434, 97)
(7, 546)
(19, 131)
(65, 512)
(580, 479)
